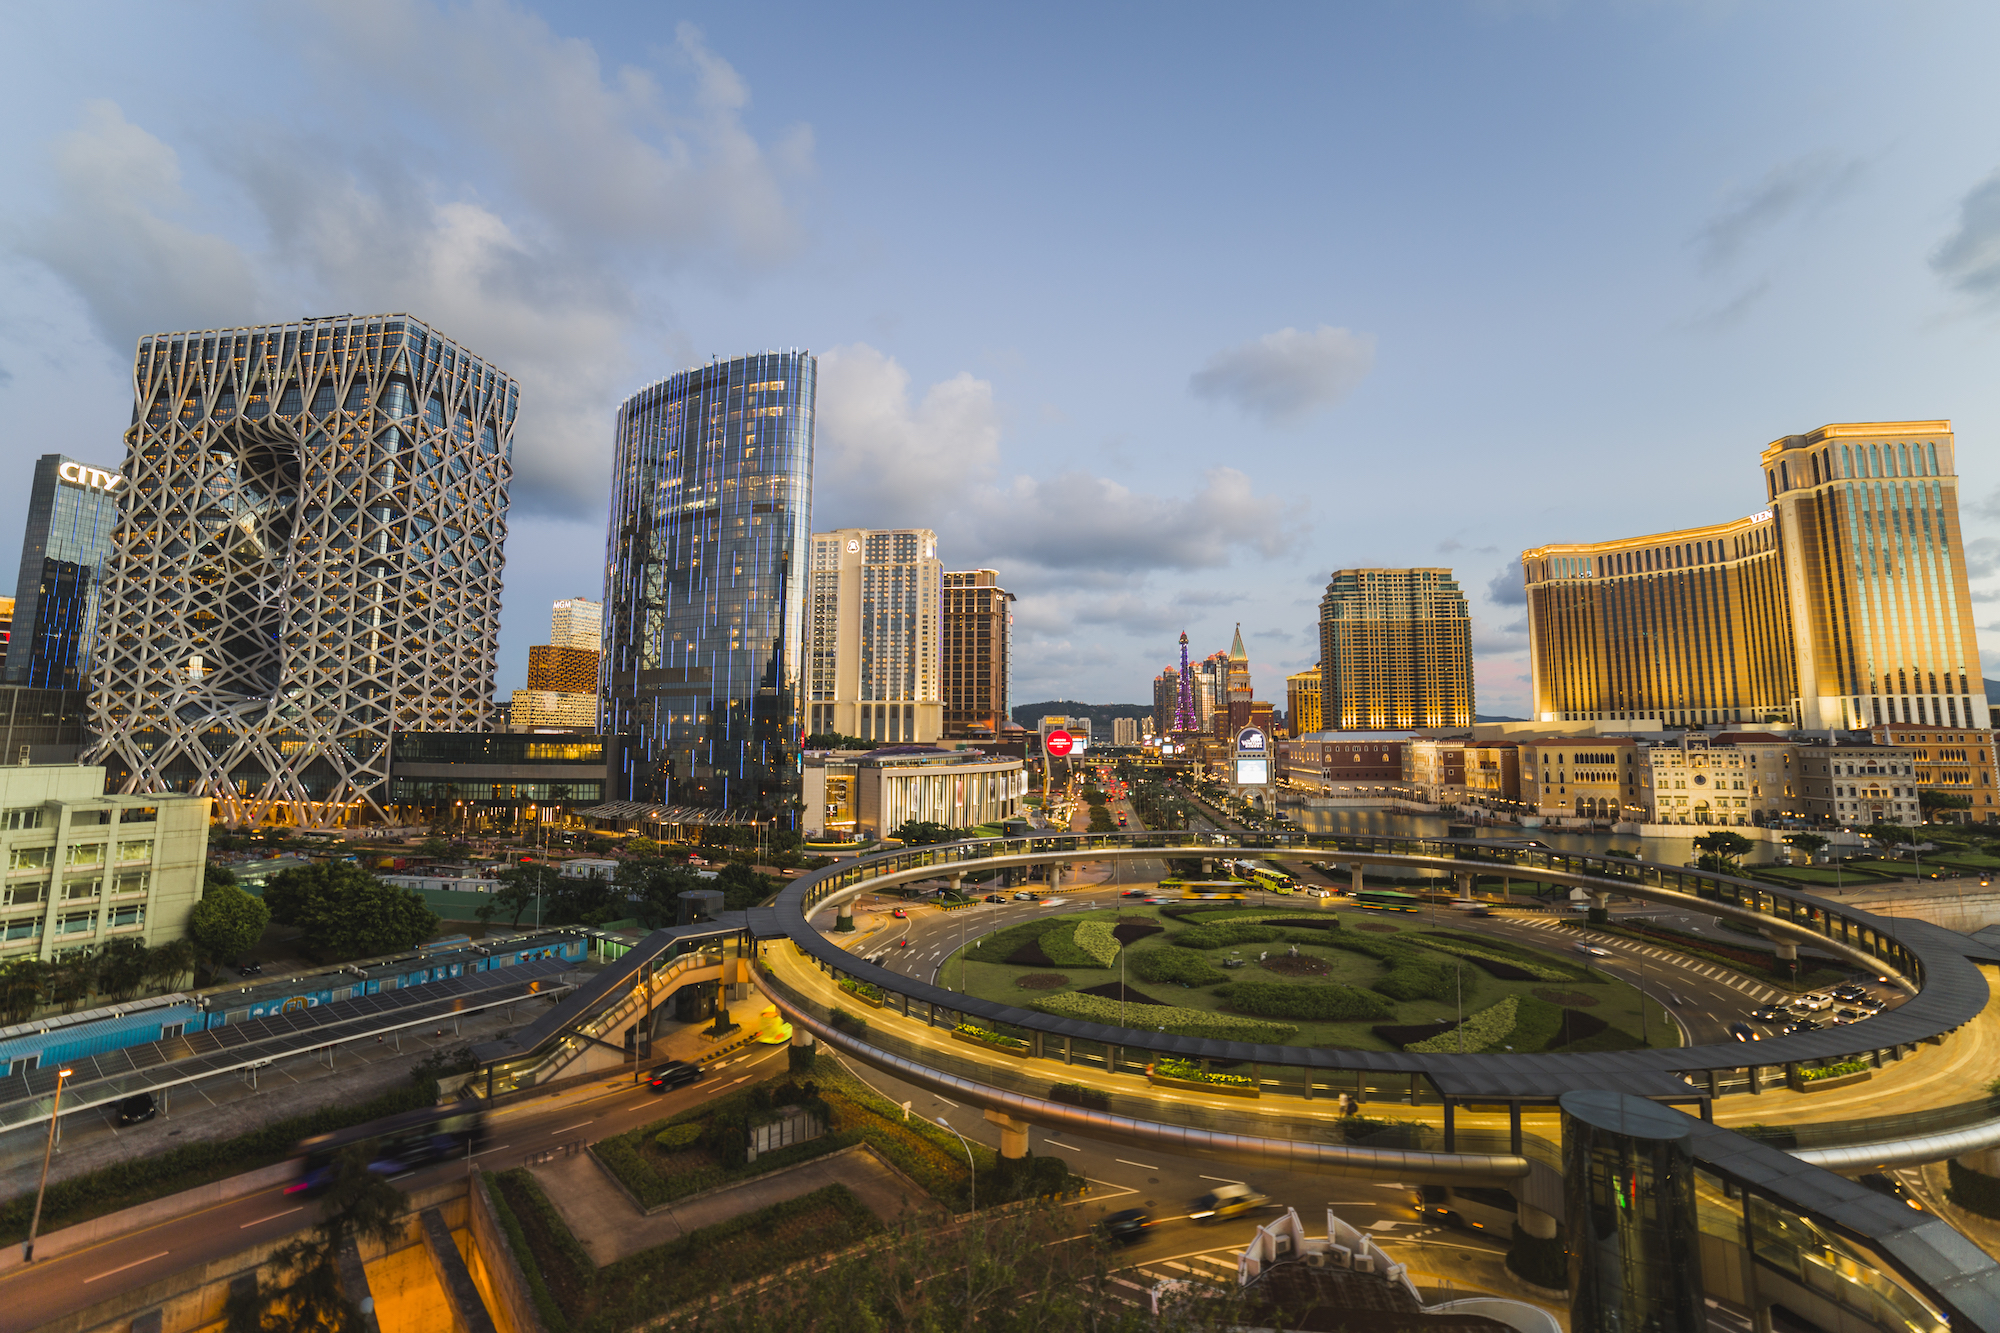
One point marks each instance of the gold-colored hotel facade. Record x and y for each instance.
(1843, 605)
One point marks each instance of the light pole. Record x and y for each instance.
(35, 1222)
(971, 1170)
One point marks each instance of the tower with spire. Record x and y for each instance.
(1239, 690)
(1184, 715)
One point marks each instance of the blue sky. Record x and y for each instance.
(1164, 311)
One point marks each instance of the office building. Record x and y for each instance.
(871, 794)
(1953, 763)
(1124, 731)
(562, 673)
(873, 605)
(1882, 626)
(476, 782)
(72, 513)
(1166, 700)
(978, 639)
(309, 559)
(1843, 606)
(1302, 715)
(84, 868)
(710, 536)
(1395, 651)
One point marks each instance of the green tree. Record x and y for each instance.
(298, 1288)
(345, 912)
(743, 887)
(645, 849)
(1891, 835)
(214, 875)
(519, 887)
(923, 832)
(23, 982)
(434, 848)
(1722, 850)
(166, 964)
(121, 967)
(226, 922)
(1812, 844)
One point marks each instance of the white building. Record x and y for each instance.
(873, 608)
(872, 794)
(83, 868)
(1124, 731)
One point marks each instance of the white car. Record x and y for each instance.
(1315, 891)
(1593, 951)
(1052, 902)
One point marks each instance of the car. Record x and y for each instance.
(1872, 1002)
(674, 1074)
(1226, 1201)
(249, 968)
(1850, 1015)
(1024, 897)
(776, 1035)
(1158, 901)
(1052, 902)
(1744, 1032)
(137, 1109)
(1819, 999)
(1890, 1186)
(1593, 951)
(1479, 911)
(1847, 990)
(1126, 1227)
(996, 897)
(1768, 1014)
(900, 914)
(1807, 1004)
(1803, 1025)
(1134, 893)
(1314, 891)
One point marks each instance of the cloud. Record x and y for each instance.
(1982, 557)
(1799, 186)
(881, 461)
(1079, 521)
(1288, 375)
(1969, 259)
(474, 169)
(1506, 588)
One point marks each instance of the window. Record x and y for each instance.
(24, 893)
(30, 858)
(168, 1031)
(81, 888)
(88, 818)
(25, 817)
(77, 923)
(25, 1064)
(138, 814)
(85, 854)
(131, 915)
(135, 851)
(129, 882)
(23, 928)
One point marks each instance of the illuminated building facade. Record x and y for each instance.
(309, 558)
(1302, 702)
(978, 630)
(72, 512)
(1395, 651)
(562, 673)
(706, 561)
(874, 602)
(1689, 627)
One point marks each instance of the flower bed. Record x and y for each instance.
(1042, 981)
(999, 1041)
(1097, 939)
(1188, 1075)
(1486, 1028)
(866, 992)
(1827, 1077)
(1174, 1018)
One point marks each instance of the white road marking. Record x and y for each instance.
(1224, 1179)
(496, 1148)
(949, 1102)
(1053, 1143)
(134, 1264)
(1144, 1166)
(272, 1218)
(580, 1124)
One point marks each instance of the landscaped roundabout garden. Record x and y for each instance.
(1305, 976)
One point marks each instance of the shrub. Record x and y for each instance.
(1404, 1035)
(1174, 1018)
(1326, 1003)
(1094, 938)
(990, 1037)
(1167, 1067)
(1539, 1025)
(676, 1137)
(1412, 973)
(997, 947)
(852, 1024)
(1171, 965)
(524, 1256)
(1833, 1071)
(867, 990)
(1488, 1027)
(1508, 965)
(1222, 935)
(1075, 1094)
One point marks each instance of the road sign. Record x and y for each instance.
(1059, 743)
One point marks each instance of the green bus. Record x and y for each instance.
(1387, 900)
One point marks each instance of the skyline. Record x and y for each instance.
(1161, 323)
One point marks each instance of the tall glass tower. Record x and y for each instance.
(308, 559)
(72, 512)
(705, 569)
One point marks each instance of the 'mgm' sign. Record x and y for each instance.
(90, 477)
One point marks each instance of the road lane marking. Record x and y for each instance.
(948, 1102)
(1224, 1179)
(580, 1124)
(496, 1148)
(1144, 1166)
(1054, 1143)
(272, 1218)
(134, 1264)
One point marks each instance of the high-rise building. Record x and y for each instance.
(978, 638)
(1395, 651)
(1124, 731)
(1845, 605)
(562, 674)
(1689, 627)
(309, 558)
(72, 512)
(1237, 687)
(1166, 699)
(874, 601)
(1211, 692)
(1302, 715)
(711, 525)
(1882, 627)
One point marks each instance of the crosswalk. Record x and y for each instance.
(1734, 980)
(1217, 1267)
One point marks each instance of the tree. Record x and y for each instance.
(743, 887)
(214, 875)
(1812, 844)
(121, 967)
(434, 848)
(643, 848)
(166, 964)
(23, 982)
(1722, 849)
(226, 922)
(298, 1288)
(1890, 835)
(520, 885)
(923, 832)
(345, 912)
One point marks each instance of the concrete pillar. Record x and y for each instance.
(1055, 878)
(1986, 1161)
(1534, 1221)
(1602, 899)
(1013, 1135)
(958, 883)
(846, 921)
(1355, 888)
(801, 1037)
(1463, 881)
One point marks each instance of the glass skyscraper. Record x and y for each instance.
(72, 512)
(705, 570)
(308, 559)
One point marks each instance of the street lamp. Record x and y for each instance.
(35, 1222)
(971, 1171)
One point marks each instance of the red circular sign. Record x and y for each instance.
(1059, 743)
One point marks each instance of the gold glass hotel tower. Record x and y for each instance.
(1842, 605)
(1395, 651)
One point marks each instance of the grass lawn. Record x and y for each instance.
(1817, 875)
(1616, 1002)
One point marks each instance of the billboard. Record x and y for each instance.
(1252, 772)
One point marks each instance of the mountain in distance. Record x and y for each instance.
(1494, 717)
(1993, 692)
(1100, 715)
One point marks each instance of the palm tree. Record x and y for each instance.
(22, 984)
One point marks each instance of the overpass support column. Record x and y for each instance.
(1463, 879)
(1356, 888)
(1055, 878)
(958, 883)
(1534, 1221)
(1986, 1161)
(1013, 1135)
(846, 921)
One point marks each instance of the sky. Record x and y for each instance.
(1165, 312)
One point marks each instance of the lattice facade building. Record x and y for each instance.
(309, 557)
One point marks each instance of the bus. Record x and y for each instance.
(1386, 900)
(1277, 881)
(1206, 890)
(393, 1145)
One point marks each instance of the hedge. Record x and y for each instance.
(1174, 965)
(867, 990)
(997, 947)
(1058, 945)
(1187, 1070)
(1219, 935)
(524, 1255)
(1834, 1071)
(1489, 1027)
(1267, 916)
(675, 1137)
(1076, 1094)
(1413, 973)
(125, 1184)
(1974, 1191)
(1535, 969)
(1326, 1003)
(1174, 1018)
(1095, 939)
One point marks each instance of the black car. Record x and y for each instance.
(137, 1109)
(1744, 1032)
(1768, 1014)
(673, 1074)
(1802, 1025)
(1128, 1227)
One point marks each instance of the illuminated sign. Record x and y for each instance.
(1250, 740)
(1059, 743)
(1252, 772)
(89, 477)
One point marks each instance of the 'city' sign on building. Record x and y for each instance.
(90, 477)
